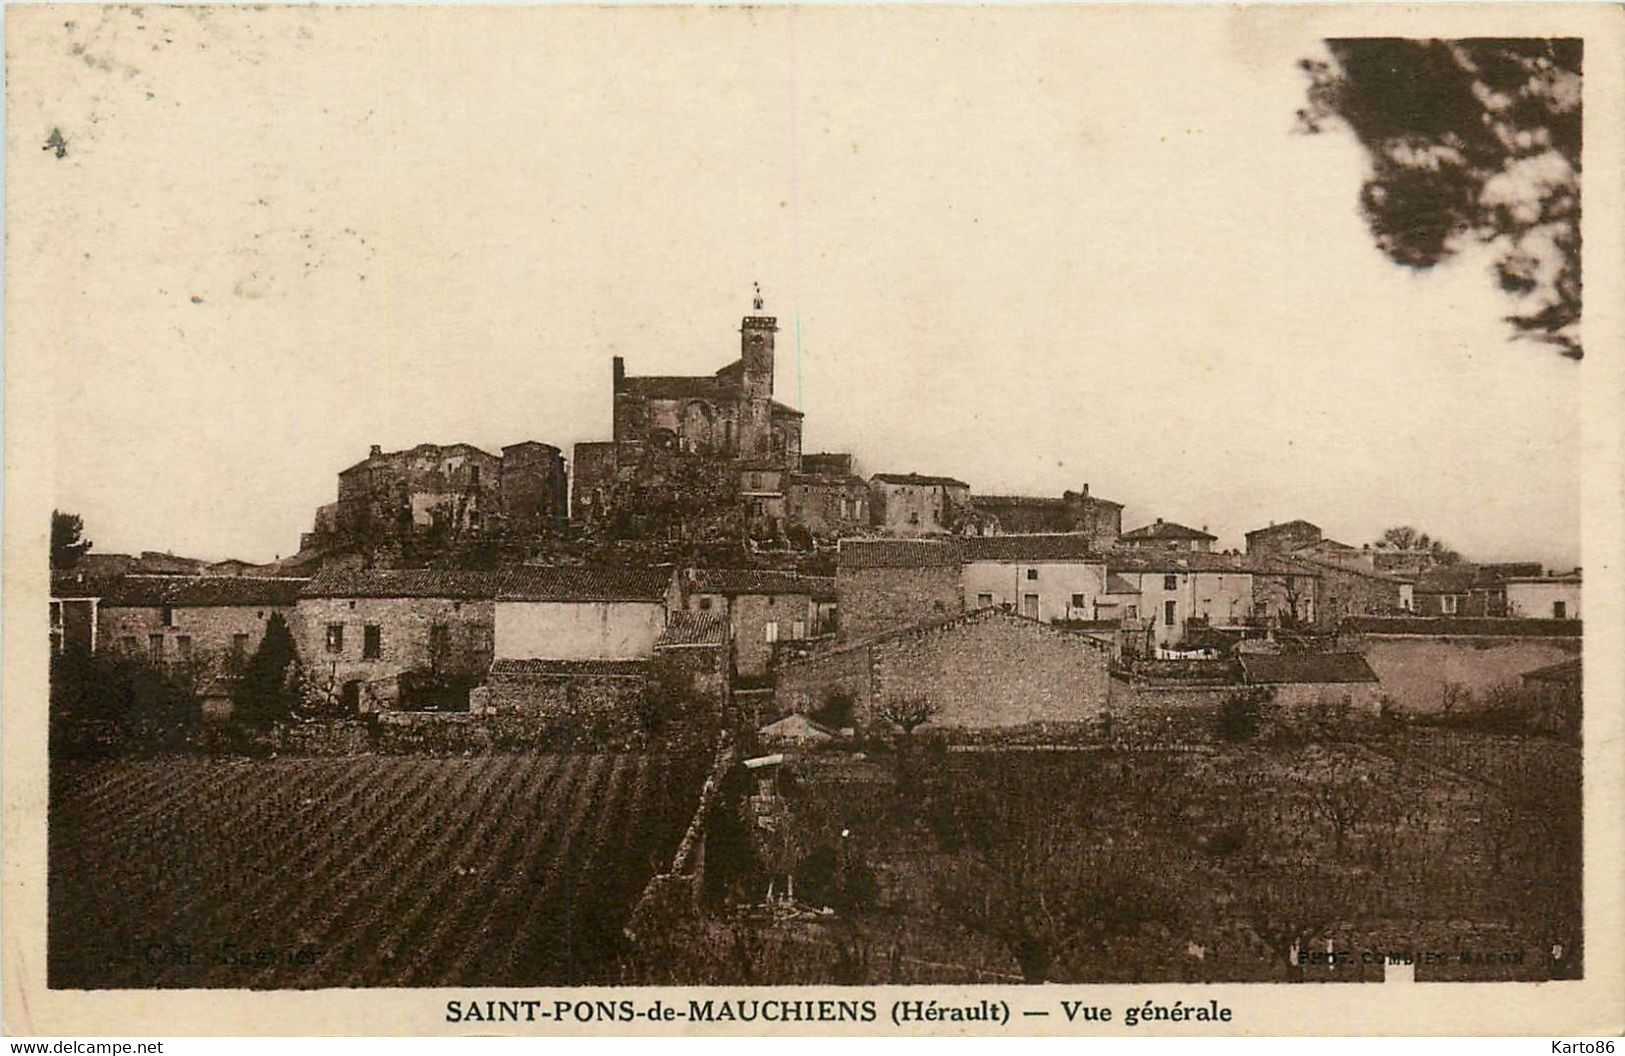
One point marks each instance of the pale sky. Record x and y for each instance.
(1025, 248)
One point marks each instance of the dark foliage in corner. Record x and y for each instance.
(1474, 140)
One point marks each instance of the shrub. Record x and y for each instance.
(837, 709)
(1241, 712)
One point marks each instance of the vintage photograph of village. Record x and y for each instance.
(1103, 514)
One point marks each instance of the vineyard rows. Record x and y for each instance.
(355, 872)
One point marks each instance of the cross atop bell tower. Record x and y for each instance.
(756, 346)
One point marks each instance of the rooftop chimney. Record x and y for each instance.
(375, 452)
(619, 373)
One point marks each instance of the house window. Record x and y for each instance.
(705, 604)
(335, 637)
(798, 629)
(1132, 612)
(169, 615)
(770, 631)
(155, 648)
(1447, 604)
(1078, 601)
(473, 474)
(1560, 610)
(474, 519)
(239, 646)
(439, 643)
(913, 517)
(183, 646)
(770, 601)
(1032, 573)
(372, 642)
(1168, 613)
(1170, 582)
(984, 601)
(126, 645)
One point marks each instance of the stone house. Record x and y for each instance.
(1315, 680)
(1282, 538)
(761, 494)
(359, 630)
(1284, 590)
(1074, 512)
(567, 612)
(1427, 664)
(1465, 589)
(1166, 535)
(915, 504)
(1043, 577)
(886, 583)
(1181, 591)
(1354, 587)
(762, 608)
(216, 622)
(1446, 591)
(988, 668)
(457, 488)
(1555, 597)
(828, 505)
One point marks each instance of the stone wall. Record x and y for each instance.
(1415, 670)
(982, 670)
(872, 600)
(993, 670)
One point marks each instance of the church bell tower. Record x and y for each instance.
(756, 349)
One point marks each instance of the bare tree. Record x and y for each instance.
(907, 713)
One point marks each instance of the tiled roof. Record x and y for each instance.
(582, 583)
(918, 478)
(693, 628)
(1045, 502)
(1272, 529)
(1353, 568)
(571, 668)
(1116, 584)
(1454, 579)
(201, 591)
(1194, 561)
(1017, 500)
(896, 553)
(827, 480)
(1057, 546)
(1166, 530)
(1475, 626)
(759, 581)
(402, 583)
(987, 612)
(1274, 669)
(1562, 671)
(79, 585)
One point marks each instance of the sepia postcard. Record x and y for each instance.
(814, 520)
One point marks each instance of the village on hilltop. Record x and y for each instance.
(701, 537)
